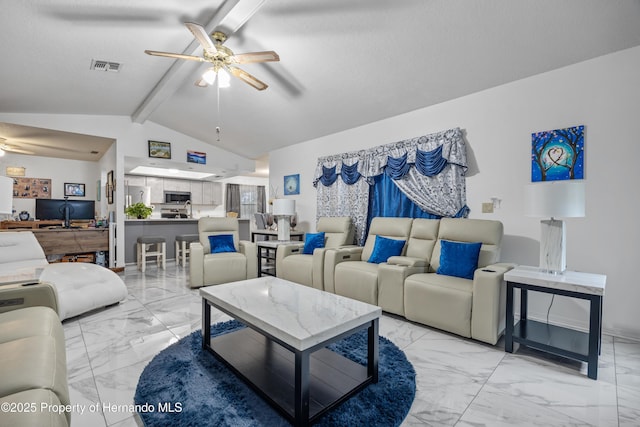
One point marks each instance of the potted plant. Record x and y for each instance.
(138, 210)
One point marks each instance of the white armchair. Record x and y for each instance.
(308, 269)
(206, 268)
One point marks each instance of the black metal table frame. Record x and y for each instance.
(594, 334)
(301, 415)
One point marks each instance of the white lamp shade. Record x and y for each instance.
(555, 199)
(6, 195)
(284, 207)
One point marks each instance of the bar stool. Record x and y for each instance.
(145, 250)
(183, 241)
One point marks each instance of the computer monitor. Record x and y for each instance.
(66, 210)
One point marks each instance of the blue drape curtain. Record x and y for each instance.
(419, 178)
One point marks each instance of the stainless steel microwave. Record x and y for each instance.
(177, 197)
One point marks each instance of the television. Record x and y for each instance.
(47, 209)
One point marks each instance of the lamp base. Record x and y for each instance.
(552, 246)
(283, 228)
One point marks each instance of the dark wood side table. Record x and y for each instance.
(554, 339)
(267, 250)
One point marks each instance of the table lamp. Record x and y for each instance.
(554, 199)
(283, 209)
(6, 195)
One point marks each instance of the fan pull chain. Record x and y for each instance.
(218, 101)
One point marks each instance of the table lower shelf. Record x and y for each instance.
(270, 368)
(552, 339)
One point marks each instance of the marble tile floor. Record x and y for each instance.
(460, 382)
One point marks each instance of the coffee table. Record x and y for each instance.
(282, 353)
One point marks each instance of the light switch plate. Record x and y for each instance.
(487, 208)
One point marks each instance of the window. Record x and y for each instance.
(248, 201)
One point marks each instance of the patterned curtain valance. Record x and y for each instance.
(428, 170)
(429, 153)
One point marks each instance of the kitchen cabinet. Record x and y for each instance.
(157, 189)
(171, 184)
(196, 192)
(135, 180)
(211, 193)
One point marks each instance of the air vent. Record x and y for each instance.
(99, 65)
(94, 152)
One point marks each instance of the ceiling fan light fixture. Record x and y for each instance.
(224, 79)
(209, 76)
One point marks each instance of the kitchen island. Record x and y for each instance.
(168, 228)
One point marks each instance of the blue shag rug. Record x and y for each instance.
(186, 386)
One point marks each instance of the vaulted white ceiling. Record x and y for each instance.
(343, 63)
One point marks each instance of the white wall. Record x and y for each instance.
(59, 171)
(131, 141)
(604, 95)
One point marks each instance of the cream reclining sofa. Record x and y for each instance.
(308, 269)
(34, 367)
(408, 284)
(206, 268)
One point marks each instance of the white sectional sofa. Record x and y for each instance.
(78, 287)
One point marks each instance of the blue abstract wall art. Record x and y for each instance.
(557, 154)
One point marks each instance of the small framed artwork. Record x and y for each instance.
(160, 150)
(557, 154)
(74, 189)
(109, 188)
(196, 157)
(98, 188)
(292, 185)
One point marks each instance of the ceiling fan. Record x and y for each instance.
(222, 58)
(8, 148)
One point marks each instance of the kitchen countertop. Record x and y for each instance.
(171, 220)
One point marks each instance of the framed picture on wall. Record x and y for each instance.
(73, 189)
(196, 157)
(160, 150)
(109, 187)
(291, 185)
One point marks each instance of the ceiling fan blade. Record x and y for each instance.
(174, 55)
(44, 146)
(246, 58)
(16, 150)
(201, 35)
(248, 78)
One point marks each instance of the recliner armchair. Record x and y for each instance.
(473, 308)
(293, 265)
(206, 268)
(347, 270)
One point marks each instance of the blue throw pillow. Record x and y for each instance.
(385, 248)
(459, 259)
(313, 241)
(221, 243)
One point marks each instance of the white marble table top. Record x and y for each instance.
(296, 314)
(275, 243)
(576, 281)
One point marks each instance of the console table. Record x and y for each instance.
(11, 225)
(554, 339)
(69, 241)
